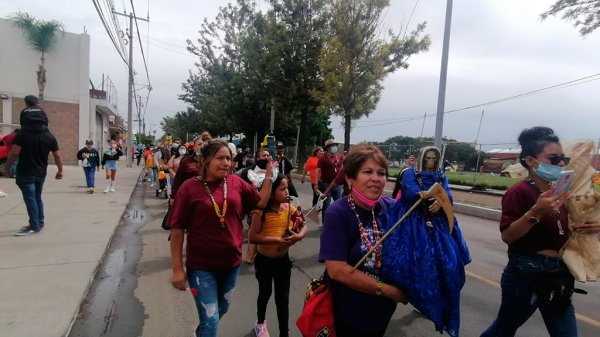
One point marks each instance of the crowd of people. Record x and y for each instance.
(213, 187)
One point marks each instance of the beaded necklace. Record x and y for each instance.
(561, 231)
(363, 233)
(220, 215)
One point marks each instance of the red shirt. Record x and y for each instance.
(188, 168)
(9, 139)
(543, 235)
(329, 164)
(210, 247)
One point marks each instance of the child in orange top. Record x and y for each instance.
(274, 230)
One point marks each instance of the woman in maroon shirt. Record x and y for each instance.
(209, 210)
(534, 224)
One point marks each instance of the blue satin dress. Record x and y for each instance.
(423, 258)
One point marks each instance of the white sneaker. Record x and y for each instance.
(112, 189)
(2, 194)
(261, 330)
(152, 185)
(107, 189)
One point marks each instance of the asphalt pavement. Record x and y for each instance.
(46, 276)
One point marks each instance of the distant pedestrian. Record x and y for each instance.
(189, 167)
(110, 159)
(8, 140)
(151, 165)
(138, 153)
(285, 167)
(208, 210)
(32, 146)
(310, 167)
(90, 161)
(274, 230)
(398, 185)
(327, 169)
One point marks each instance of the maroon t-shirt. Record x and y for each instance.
(210, 247)
(188, 168)
(329, 164)
(545, 234)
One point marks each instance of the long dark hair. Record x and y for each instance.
(534, 140)
(209, 149)
(278, 179)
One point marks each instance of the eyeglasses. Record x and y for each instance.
(555, 159)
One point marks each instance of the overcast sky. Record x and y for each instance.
(498, 49)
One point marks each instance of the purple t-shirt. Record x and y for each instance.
(341, 241)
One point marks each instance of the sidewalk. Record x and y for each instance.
(45, 276)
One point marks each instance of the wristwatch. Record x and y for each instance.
(533, 219)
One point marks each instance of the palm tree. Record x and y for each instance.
(40, 35)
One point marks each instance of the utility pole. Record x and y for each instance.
(129, 143)
(439, 121)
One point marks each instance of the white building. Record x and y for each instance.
(73, 115)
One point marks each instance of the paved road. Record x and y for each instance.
(168, 312)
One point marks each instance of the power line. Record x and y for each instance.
(110, 35)
(579, 81)
(141, 47)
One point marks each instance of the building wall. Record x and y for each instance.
(63, 121)
(66, 96)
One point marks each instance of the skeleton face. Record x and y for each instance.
(430, 160)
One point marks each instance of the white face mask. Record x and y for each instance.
(333, 149)
(182, 152)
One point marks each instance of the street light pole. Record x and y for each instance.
(439, 121)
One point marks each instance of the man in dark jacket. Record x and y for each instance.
(32, 146)
(90, 161)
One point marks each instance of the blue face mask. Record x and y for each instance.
(333, 149)
(548, 172)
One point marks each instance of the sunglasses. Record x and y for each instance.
(555, 159)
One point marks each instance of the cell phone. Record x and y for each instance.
(271, 146)
(564, 182)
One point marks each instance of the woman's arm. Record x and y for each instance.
(178, 276)
(359, 281)
(546, 204)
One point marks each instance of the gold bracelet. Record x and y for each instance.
(379, 287)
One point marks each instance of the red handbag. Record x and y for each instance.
(316, 319)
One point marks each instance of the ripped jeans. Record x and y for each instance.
(214, 293)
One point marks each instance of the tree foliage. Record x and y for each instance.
(455, 151)
(357, 56)
(41, 36)
(250, 62)
(584, 13)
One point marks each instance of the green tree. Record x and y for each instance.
(584, 13)
(41, 36)
(357, 56)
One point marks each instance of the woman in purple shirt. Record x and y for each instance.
(363, 304)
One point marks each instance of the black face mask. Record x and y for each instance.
(262, 163)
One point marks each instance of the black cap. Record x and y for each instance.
(89, 141)
(279, 145)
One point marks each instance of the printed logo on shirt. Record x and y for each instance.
(325, 332)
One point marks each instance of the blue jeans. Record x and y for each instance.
(335, 194)
(90, 175)
(152, 175)
(13, 168)
(519, 301)
(31, 187)
(214, 293)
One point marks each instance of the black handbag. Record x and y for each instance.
(555, 287)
